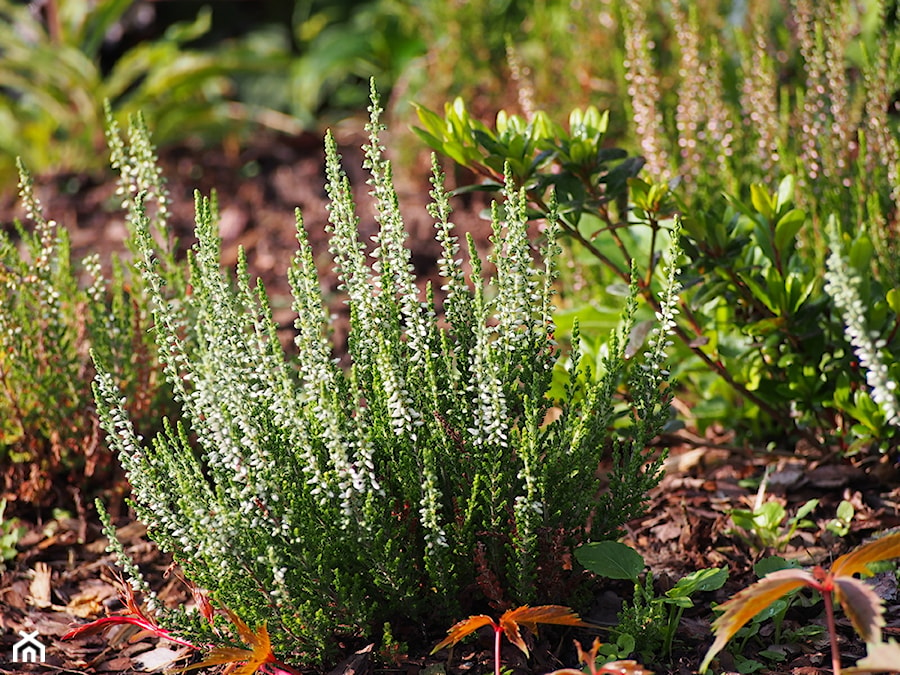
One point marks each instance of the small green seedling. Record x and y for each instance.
(767, 525)
(662, 615)
(860, 602)
(840, 524)
(622, 648)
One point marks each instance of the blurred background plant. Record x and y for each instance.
(52, 312)
(56, 70)
(227, 69)
(196, 75)
(768, 347)
(11, 530)
(319, 58)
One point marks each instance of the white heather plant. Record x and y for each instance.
(845, 285)
(325, 500)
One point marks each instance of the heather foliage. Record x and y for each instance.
(53, 310)
(434, 462)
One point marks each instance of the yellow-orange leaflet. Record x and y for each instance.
(510, 621)
(859, 602)
(857, 562)
(260, 651)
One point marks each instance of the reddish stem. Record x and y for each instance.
(498, 631)
(828, 596)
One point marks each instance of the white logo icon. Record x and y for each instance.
(29, 649)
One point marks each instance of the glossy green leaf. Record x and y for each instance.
(762, 294)
(893, 300)
(786, 231)
(806, 509)
(710, 579)
(431, 121)
(845, 510)
(785, 193)
(769, 515)
(861, 252)
(610, 559)
(773, 563)
(762, 202)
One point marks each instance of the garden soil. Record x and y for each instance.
(62, 576)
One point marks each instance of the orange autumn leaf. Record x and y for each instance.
(861, 604)
(531, 616)
(510, 621)
(459, 630)
(589, 658)
(627, 667)
(750, 602)
(554, 614)
(857, 561)
(134, 616)
(260, 651)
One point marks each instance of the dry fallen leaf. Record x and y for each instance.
(40, 586)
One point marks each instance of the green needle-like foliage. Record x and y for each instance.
(324, 499)
(53, 310)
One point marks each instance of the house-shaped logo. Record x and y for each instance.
(28, 649)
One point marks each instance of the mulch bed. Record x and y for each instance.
(62, 575)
